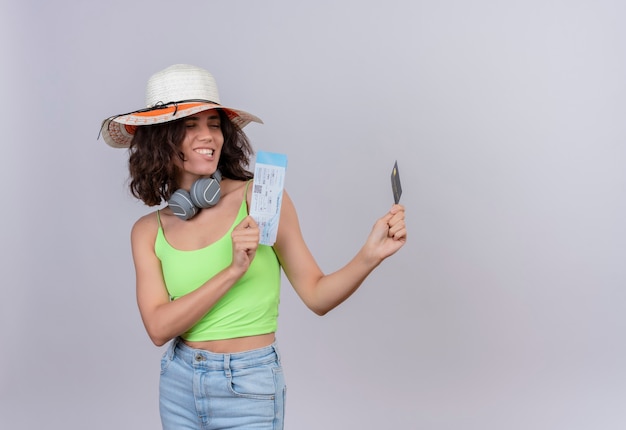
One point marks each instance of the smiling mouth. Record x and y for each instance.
(204, 151)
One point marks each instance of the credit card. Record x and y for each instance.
(396, 187)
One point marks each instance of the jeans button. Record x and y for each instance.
(199, 357)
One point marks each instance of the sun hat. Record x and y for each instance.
(173, 93)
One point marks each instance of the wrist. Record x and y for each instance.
(369, 257)
(233, 273)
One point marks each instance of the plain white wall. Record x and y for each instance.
(503, 311)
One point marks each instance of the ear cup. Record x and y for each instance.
(205, 192)
(181, 204)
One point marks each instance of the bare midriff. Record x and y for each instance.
(238, 344)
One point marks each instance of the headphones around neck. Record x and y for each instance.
(204, 193)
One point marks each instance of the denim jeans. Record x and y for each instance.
(204, 390)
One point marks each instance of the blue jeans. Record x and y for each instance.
(204, 390)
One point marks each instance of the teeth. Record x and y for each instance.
(205, 151)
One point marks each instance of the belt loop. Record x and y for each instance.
(172, 348)
(227, 365)
(275, 346)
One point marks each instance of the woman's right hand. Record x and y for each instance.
(245, 238)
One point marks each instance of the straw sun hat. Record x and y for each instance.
(173, 93)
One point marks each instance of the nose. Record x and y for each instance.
(205, 132)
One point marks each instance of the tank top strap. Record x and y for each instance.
(245, 196)
(158, 214)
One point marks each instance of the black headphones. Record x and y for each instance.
(204, 193)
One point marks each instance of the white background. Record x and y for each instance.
(505, 310)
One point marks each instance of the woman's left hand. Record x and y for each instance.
(388, 234)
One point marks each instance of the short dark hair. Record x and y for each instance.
(153, 172)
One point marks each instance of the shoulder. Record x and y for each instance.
(287, 203)
(248, 188)
(146, 227)
(229, 186)
(289, 223)
(237, 189)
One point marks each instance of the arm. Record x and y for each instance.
(165, 319)
(320, 292)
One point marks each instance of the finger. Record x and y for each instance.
(246, 245)
(396, 220)
(396, 212)
(386, 218)
(396, 208)
(383, 224)
(398, 232)
(245, 242)
(246, 229)
(396, 226)
(247, 222)
(245, 249)
(245, 232)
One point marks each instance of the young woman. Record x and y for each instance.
(203, 280)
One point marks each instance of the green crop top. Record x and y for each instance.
(249, 308)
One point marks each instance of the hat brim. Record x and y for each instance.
(118, 131)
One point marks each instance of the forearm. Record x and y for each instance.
(321, 293)
(171, 319)
(333, 289)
